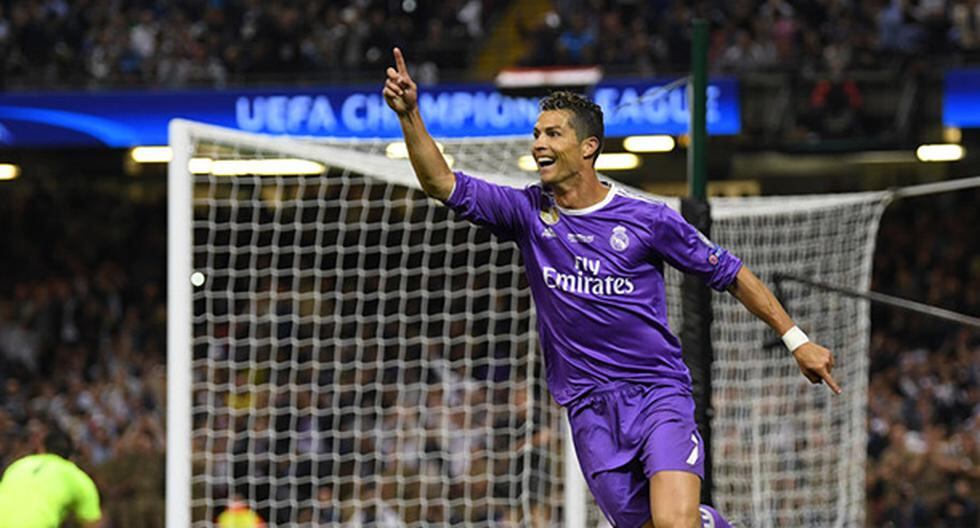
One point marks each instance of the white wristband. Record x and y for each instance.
(794, 337)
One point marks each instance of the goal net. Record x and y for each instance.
(343, 349)
(784, 452)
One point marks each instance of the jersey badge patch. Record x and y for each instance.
(549, 216)
(619, 240)
(713, 256)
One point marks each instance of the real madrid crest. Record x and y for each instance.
(619, 240)
(549, 216)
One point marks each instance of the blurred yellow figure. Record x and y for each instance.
(44, 489)
(239, 515)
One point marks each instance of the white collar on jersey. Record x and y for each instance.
(610, 194)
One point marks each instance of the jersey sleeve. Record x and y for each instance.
(87, 503)
(496, 207)
(682, 246)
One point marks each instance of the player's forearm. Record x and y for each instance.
(758, 299)
(430, 167)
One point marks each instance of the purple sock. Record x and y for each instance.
(710, 518)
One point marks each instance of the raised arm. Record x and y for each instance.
(815, 361)
(88, 512)
(402, 96)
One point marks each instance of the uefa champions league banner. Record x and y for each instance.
(129, 118)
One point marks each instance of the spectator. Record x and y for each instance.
(239, 515)
(329, 514)
(543, 41)
(965, 27)
(836, 104)
(746, 54)
(371, 510)
(577, 42)
(136, 498)
(899, 30)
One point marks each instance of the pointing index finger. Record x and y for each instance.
(830, 382)
(400, 62)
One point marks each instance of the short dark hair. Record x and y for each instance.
(586, 115)
(58, 442)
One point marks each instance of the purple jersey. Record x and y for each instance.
(597, 278)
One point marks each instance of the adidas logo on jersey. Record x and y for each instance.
(576, 238)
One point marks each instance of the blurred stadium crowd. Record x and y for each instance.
(82, 338)
(176, 43)
(390, 384)
(924, 392)
(803, 36)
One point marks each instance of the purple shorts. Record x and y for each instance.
(624, 435)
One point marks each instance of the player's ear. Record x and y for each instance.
(590, 147)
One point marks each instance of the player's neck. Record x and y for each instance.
(579, 192)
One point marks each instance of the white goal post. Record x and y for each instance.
(351, 350)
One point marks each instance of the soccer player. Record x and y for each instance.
(42, 490)
(594, 257)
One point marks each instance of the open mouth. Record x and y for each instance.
(545, 161)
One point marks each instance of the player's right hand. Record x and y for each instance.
(400, 91)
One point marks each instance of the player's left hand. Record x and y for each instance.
(816, 363)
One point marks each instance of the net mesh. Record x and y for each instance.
(361, 355)
(786, 453)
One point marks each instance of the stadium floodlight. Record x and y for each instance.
(527, 163)
(940, 152)
(151, 154)
(398, 150)
(257, 167)
(266, 167)
(655, 143)
(199, 165)
(952, 135)
(612, 161)
(9, 171)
